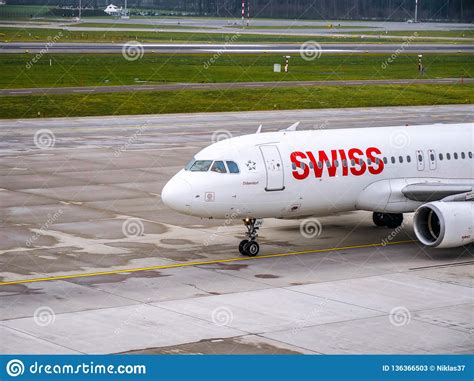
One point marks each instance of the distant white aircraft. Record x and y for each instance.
(113, 10)
(294, 174)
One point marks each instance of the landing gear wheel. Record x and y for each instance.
(242, 246)
(249, 246)
(393, 220)
(252, 248)
(378, 219)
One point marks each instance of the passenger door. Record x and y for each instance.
(432, 159)
(420, 160)
(274, 167)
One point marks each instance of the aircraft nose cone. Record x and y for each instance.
(177, 195)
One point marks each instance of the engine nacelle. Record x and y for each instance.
(445, 224)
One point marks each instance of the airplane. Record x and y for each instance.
(291, 174)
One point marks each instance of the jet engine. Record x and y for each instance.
(445, 224)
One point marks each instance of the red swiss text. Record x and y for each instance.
(354, 161)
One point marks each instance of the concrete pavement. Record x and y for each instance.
(64, 212)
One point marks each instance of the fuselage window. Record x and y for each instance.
(369, 161)
(353, 162)
(432, 158)
(320, 164)
(408, 159)
(400, 159)
(293, 165)
(392, 160)
(311, 164)
(385, 160)
(328, 164)
(336, 163)
(448, 156)
(440, 156)
(420, 158)
(233, 167)
(463, 155)
(470, 155)
(200, 166)
(344, 162)
(218, 167)
(455, 155)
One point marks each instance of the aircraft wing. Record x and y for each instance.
(405, 195)
(434, 191)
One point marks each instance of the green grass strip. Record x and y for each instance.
(232, 100)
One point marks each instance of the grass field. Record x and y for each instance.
(143, 26)
(467, 33)
(36, 34)
(232, 100)
(113, 69)
(325, 27)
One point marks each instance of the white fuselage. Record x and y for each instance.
(290, 174)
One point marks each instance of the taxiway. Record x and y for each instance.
(74, 279)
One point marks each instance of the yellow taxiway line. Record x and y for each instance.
(197, 263)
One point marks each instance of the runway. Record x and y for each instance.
(184, 48)
(73, 279)
(302, 28)
(225, 86)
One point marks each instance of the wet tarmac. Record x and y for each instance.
(91, 261)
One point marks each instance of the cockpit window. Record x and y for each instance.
(215, 166)
(218, 167)
(200, 166)
(190, 164)
(233, 167)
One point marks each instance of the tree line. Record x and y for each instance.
(394, 10)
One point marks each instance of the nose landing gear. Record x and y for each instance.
(250, 247)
